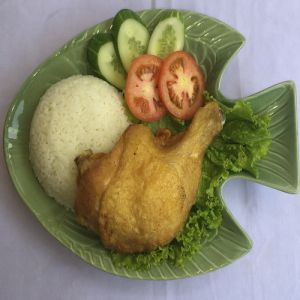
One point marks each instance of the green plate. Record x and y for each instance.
(213, 43)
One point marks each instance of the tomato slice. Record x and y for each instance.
(141, 92)
(181, 85)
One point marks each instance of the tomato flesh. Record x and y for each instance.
(181, 85)
(141, 91)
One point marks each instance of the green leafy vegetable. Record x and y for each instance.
(244, 139)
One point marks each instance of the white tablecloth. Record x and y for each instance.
(33, 265)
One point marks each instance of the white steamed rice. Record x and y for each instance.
(75, 114)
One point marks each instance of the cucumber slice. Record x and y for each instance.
(168, 36)
(131, 36)
(104, 60)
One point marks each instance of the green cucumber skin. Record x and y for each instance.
(93, 47)
(118, 20)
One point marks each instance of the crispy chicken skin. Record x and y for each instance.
(138, 196)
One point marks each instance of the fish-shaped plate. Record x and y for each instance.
(213, 44)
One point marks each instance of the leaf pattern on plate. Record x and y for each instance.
(213, 43)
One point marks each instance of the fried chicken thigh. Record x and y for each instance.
(138, 196)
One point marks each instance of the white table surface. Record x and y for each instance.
(33, 265)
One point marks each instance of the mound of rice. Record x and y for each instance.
(74, 115)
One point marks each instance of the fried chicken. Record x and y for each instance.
(138, 196)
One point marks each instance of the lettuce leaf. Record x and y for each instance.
(245, 138)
